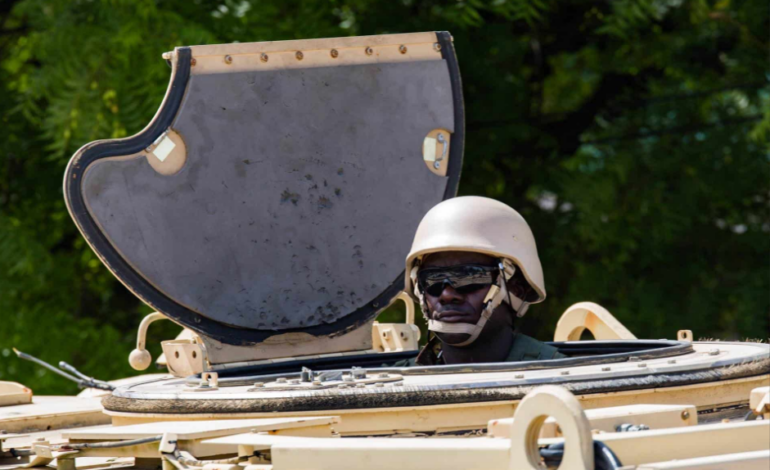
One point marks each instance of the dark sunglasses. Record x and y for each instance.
(465, 279)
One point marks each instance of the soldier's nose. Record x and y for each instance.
(449, 295)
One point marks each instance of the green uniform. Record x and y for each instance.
(524, 348)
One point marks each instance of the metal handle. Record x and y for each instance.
(444, 144)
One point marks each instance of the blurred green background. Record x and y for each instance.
(633, 135)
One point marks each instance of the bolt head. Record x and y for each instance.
(565, 372)
(606, 369)
(299, 55)
(369, 51)
(402, 49)
(672, 361)
(259, 384)
(193, 62)
(228, 59)
(436, 165)
(519, 376)
(641, 365)
(342, 386)
(437, 47)
(685, 414)
(263, 57)
(334, 53)
(281, 380)
(714, 352)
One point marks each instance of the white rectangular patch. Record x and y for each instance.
(164, 148)
(429, 149)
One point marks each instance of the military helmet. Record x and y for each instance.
(481, 225)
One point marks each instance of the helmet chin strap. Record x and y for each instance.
(498, 293)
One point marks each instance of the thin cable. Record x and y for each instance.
(110, 445)
(69, 368)
(81, 383)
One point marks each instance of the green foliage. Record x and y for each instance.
(633, 135)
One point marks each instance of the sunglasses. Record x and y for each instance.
(464, 279)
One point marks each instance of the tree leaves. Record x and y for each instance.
(632, 135)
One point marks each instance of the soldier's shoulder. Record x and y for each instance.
(527, 348)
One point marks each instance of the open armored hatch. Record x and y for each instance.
(269, 204)
(268, 208)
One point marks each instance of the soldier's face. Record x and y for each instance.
(452, 306)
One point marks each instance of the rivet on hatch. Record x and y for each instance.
(334, 53)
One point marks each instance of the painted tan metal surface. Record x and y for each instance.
(759, 401)
(288, 346)
(46, 413)
(189, 430)
(226, 58)
(520, 451)
(168, 154)
(607, 419)
(759, 460)
(435, 151)
(592, 317)
(690, 442)
(392, 337)
(185, 334)
(13, 393)
(183, 357)
(476, 415)
(189, 434)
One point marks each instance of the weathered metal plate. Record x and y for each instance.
(295, 206)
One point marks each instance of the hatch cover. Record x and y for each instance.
(279, 185)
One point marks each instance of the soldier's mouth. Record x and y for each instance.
(452, 316)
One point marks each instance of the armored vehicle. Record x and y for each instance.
(267, 208)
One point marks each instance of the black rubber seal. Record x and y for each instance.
(201, 324)
(457, 149)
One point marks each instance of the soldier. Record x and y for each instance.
(474, 268)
